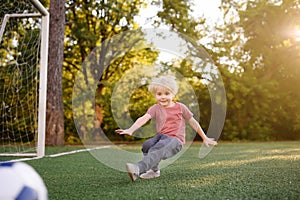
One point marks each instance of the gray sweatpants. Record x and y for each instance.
(158, 148)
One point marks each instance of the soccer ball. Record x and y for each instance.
(20, 181)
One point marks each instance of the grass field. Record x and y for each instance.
(267, 170)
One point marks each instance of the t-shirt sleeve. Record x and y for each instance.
(186, 113)
(152, 111)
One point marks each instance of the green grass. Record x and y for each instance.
(267, 170)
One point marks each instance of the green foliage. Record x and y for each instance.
(102, 42)
(256, 51)
(248, 110)
(253, 50)
(176, 14)
(270, 31)
(258, 55)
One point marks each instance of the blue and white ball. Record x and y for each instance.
(19, 181)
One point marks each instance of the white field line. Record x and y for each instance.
(58, 154)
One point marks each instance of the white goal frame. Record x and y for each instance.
(45, 18)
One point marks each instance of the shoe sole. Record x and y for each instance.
(156, 175)
(131, 175)
(149, 177)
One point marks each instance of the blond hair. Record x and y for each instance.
(167, 81)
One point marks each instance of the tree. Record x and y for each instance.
(177, 15)
(275, 54)
(55, 112)
(259, 54)
(101, 43)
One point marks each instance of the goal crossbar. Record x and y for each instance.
(7, 16)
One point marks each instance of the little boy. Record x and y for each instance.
(170, 120)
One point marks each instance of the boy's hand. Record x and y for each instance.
(123, 132)
(209, 141)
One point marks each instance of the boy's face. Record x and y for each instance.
(164, 97)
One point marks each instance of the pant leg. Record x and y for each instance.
(150, 143)
(165, 148)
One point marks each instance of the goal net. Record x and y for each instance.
(23, 77)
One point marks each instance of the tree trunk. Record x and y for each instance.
(55, 112)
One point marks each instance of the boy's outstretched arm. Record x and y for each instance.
(196, 126)
(137, 124)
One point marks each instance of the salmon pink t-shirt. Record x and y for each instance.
(171, 120)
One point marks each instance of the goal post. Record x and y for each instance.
(43, 76)
(24, 37)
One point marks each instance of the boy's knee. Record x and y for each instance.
(145, 148)
(144, 151)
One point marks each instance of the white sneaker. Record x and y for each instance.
(150, 174)
(133, 171)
